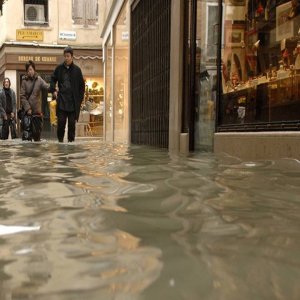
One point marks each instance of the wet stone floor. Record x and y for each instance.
(93, 220)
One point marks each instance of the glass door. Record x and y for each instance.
(201, 52)
(205, 73)
(108, 91)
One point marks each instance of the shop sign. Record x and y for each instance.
(29, 35)
(37, 58)
(67, 35)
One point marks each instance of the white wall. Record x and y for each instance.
(3, 24)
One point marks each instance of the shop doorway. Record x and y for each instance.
(201, 57)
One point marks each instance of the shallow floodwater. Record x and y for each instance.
(92, 220)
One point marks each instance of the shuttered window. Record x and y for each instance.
(85, 12)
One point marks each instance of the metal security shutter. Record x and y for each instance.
(150, 72)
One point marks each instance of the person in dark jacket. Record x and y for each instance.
(70, 94)
(8, 110)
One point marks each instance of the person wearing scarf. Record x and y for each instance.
(8, 110)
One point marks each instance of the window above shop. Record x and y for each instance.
(36, 12)
(85, 13)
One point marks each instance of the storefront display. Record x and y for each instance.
(260, 62)
(121, 43)
(116, 58)
(91, 117)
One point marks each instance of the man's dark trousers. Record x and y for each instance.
(62, 117)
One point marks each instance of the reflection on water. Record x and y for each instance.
(91, 220)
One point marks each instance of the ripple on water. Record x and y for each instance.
(119, 222)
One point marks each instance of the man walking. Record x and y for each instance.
(8, 110)
(70, 94)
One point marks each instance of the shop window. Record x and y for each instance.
(91, 116)
(36, 12)
(120, 108)
(108, 96)
(260, 65)
(85, 13)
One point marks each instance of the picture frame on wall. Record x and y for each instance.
(235, 37)
(284, 25)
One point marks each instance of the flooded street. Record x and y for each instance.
(92, 220)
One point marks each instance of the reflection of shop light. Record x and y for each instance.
(8, 229)
(120, 111)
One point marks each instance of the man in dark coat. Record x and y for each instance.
(8, 110)
(70, 94)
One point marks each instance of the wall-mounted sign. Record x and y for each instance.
(67, 35)
(125, 36)
(37, 58)
(29, 35)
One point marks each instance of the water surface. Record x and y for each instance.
(92, 220)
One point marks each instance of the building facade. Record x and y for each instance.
(210, 75)
(39, 30)
(155, 112)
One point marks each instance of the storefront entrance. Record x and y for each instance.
(201, 51)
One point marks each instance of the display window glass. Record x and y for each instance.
(260, 64)
(121, 35)
(108, 91)
(93, 106)
(205, 73)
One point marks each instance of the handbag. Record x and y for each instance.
(13, 129)
(26, 127)
(8, 125)
(21, 113)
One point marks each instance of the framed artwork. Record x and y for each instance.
(235, 37)
(284, 26)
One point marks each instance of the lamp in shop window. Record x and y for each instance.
(120, 99)
(243, 44)
(297, 60)
(256, 45)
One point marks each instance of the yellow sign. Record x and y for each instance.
(29, 35)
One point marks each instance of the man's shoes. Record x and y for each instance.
(60, 141)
